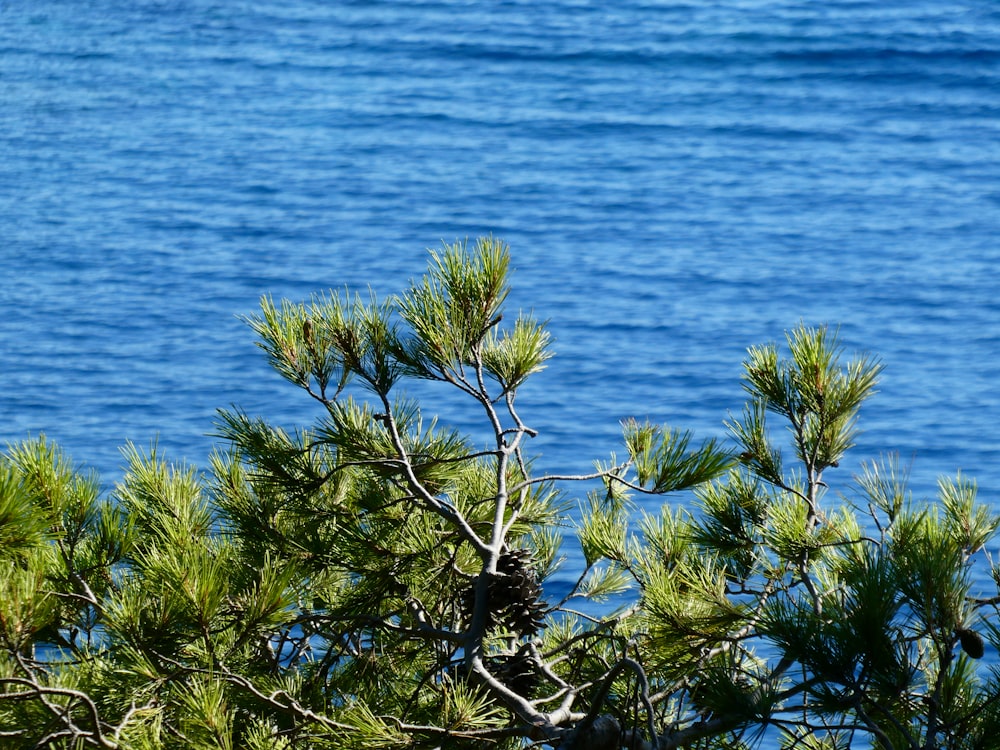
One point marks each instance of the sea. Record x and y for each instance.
(677, 181)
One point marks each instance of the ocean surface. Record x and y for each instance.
(677, 182)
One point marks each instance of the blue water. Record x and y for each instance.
(678, 181)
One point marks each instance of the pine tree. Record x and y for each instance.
(379, 579)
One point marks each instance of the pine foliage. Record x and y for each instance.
(381, 579)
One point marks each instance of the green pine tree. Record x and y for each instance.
(379, 579)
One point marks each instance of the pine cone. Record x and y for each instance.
(972, 643)
(516, 671)
(514, 595)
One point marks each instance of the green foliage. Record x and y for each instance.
(662, 458)
(381, 580)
